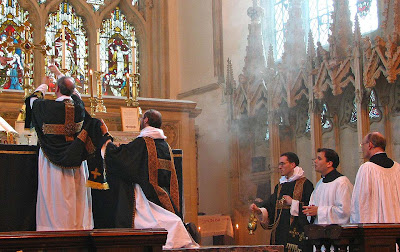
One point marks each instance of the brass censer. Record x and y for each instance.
(252, 225)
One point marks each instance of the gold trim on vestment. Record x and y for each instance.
(97, 185)
(177, 155)
(69, 128)
(154, 165)
(84, 137)
(297, 195)
(17, 152)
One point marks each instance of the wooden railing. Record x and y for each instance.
(355, 237)
(133, 240)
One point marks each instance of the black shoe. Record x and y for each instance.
(192, 229)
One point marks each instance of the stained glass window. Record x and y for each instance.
(119, 48)
(353, 117)
(281, 16)
(308, 124)
(15, 44)
(325, 121)
(373, 110)
(367, 12)
(65, 21)
(319, 13)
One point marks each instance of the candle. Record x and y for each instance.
(128, 85)
(91, 83)
(134, 88)
(63, 47)
(98, 50)
(133, 53)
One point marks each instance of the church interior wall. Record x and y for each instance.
(349, 155)
(195, 40)
(213, 147)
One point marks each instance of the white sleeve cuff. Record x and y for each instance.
(294, 208)
(263, 217)
(42, 88)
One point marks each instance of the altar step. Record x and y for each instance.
(232, 248)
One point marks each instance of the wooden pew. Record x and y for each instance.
(133, 240)
(356, 237)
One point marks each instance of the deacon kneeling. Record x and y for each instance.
(143, 183)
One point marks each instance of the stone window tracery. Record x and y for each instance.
(65, 20)
(15, 42)
(116, 43)
(319, 19)
(281, 15)
(316, 15)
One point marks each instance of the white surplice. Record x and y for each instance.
(376, 194)
(150, 215)
(333, 201)
(63, 201)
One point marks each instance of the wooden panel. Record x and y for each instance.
(88, 240)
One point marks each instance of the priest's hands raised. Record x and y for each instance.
(310, 210)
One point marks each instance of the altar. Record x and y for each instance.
(178, 125)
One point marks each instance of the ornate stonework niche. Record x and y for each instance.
(261, 126)
(64, 24)
(15, 44)
(302, 117)
(347, 108)
(172, 131)
(396, 103)
(119, 53)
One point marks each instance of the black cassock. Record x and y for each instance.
(290, 230)
(126, 166)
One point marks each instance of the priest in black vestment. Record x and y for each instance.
(282, 211)
(67, 136)
(143, 185)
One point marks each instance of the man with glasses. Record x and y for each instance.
(281, 211)
(330, 201)
(376, 194)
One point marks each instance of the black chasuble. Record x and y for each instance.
(67, 134)
(290, 229)
(143, 161)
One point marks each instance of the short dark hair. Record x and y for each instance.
(377, 140)
(66, 88)
(331, 156)
(292, 157)
(154, 117)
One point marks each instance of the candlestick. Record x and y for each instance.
(100, 107)
(128, 86)
(91, 83)
(63, 47)
(98, 50)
